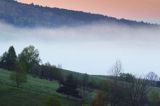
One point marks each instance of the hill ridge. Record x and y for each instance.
(30, 15)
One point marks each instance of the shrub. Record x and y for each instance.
(154, 96)
(53, 101)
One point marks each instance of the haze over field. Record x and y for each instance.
(89, 49)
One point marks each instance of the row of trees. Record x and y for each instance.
(128, 90)
(29, 62)
(11, 61)
(28, 58)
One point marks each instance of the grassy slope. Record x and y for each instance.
(36, 91)
(32, 93)
(95, 78)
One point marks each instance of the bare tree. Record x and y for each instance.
(137, 91)
(117, 69)
(152, 78)
(131, 93)
(114, 89)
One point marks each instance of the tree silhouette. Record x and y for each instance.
(70, 87)
(30, 57)
(8, 60)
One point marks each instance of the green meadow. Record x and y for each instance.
(33, 93)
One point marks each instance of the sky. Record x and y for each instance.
(147, 10)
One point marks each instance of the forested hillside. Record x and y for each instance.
(24, 15)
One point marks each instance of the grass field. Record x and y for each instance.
(36, 91)
(33, 93)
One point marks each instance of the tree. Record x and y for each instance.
(19, 75)
(126, 77)
(30, 57)
(3, 60)
(137, 92)
(8, 60)
(59, 76)
(116, 70)
(11, 58)
(85, 81)
(70, 87)
(128, 91)
(71, 82)
(115, 91)
(152, 78)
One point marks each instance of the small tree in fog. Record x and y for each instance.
(30, 57)
(152, 78)
(115, 91)
(117, 69)
(19, 75)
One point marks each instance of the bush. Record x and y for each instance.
(69, 87)
(99, 100)
(154, 96)
(53, 101)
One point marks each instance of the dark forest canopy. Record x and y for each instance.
(24, 15)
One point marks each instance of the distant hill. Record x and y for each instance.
(24, 15)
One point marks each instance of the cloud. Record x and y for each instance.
(92, 49)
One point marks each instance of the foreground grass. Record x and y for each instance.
(33, 93)
(10, 96)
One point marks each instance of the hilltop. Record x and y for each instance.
(30, 15)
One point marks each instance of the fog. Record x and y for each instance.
(91, 49)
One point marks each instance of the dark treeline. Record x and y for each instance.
(29, 62)
(12, 12)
